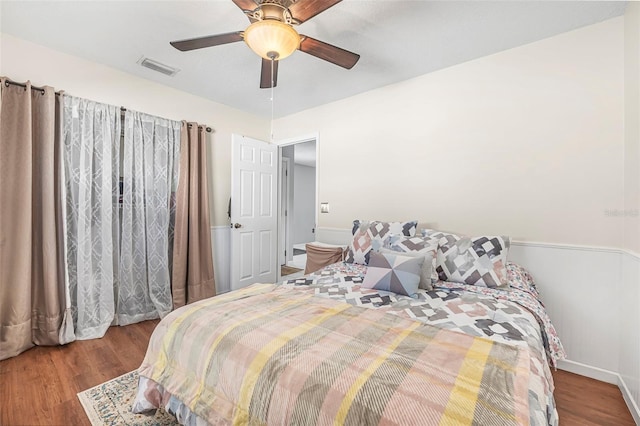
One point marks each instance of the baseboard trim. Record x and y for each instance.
(628, 399)
(607, 377)
(589, 371)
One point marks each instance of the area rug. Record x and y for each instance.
(110, 404)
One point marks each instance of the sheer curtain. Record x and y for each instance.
(150, 178)
(61, 168)
(91, 159)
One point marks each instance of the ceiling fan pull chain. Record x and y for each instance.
(272, 95)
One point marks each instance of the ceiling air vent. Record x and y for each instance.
(157, 66)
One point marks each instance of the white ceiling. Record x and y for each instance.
(396, 39)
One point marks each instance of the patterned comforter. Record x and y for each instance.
(278, 355)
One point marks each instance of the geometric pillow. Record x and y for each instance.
(434, 234)
(427, 267)
(371, 236)
(393, 272)
(420, 245)
(407, 228)
(416, 243)
(480, 261)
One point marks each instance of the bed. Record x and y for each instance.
(323, 349)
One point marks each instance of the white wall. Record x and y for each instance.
(304, 204)
(629, 306)
(629, 361)
(528, 142)
(22, 60)
(632, 128)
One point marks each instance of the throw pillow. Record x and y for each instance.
(422, 246)
(426, 271)
(393, 272)
(371, 236)
(480, 261)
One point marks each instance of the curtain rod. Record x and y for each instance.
(207, 128)
(24, 86)
(122, 109)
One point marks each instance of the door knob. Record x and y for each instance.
(237, 225)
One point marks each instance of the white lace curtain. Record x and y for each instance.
(91, 167)
(118, 274)
(150, 177)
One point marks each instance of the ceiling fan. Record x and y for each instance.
(271, 35)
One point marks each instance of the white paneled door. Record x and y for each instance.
(254, 218)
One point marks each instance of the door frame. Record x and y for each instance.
(284, 205)
(281, 144)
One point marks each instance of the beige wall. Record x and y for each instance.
(632, 128)
(22, 60)
(629, 306)
(528, 142)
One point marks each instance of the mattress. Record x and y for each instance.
(322, 350)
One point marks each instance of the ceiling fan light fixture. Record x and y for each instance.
(272, 39)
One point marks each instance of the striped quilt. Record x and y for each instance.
(514, 316)
(270, 354)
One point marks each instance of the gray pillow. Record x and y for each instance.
(393, 272)
(480, 261)
(427, 267)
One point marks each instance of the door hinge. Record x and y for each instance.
(285, 213)
(285, 253)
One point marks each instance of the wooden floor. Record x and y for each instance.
(584, 401)
(288, 270)
(39, 387)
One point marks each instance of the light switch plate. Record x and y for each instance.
(324, 207)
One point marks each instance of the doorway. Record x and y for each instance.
(298, 202)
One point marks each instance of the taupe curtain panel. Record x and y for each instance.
(32, 282)
(192, 274)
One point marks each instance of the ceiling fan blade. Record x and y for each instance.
(265, 74)
(207, 41)
(328, 52)
(303, 10)
(246, 4)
